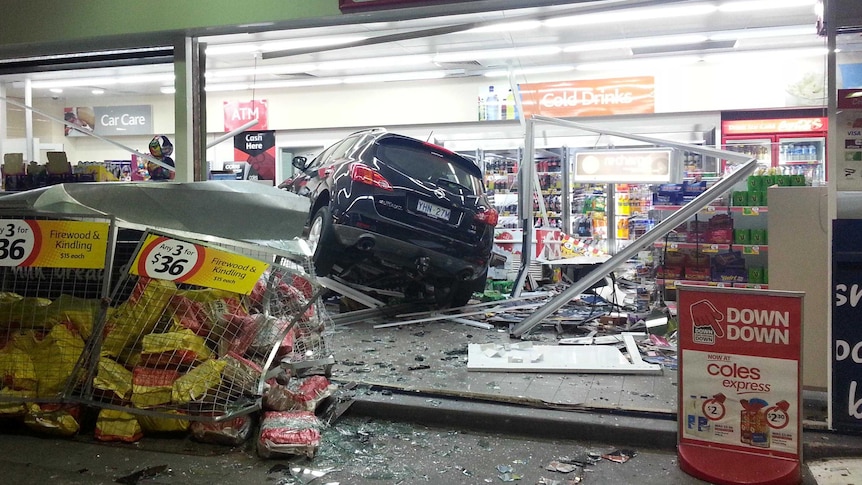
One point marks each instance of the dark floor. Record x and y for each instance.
(431, 357)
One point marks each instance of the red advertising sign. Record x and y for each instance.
(787, 125)
(590, 97)
(850, 99)
(254, 155)
(739, 400)
(238, 113)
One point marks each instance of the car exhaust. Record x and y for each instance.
(365, 243)
(464, 275)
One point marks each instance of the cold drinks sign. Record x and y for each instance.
(739, 386)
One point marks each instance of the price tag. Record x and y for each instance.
(184, 262)
(708, 209)
(712, 248)
(19, 242)
(713, 409)
(673, 247)
(776, 418)
(170, 259)
(751, 250)
(751, 211)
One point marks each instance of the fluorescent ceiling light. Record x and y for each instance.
(530, 70)
(102, 81)
(638, 63)
(277, 84)
(98, 92)
(635, 14)
(519, 26)
(497, 54)
(280, 45)
(663, 40)
(763, 33)
(259, 70)
(309, 43)
(767, 55)
(56, 90)
(167, 89)
(395, 61)
(396, 76)
(752, 5)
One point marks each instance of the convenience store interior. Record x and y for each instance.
(468, 51)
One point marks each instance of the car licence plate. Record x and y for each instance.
(433, 210)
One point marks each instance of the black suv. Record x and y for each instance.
(398, 215)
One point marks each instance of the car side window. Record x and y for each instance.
(343, 148)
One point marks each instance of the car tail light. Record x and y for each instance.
(362, 174)
(488, 216)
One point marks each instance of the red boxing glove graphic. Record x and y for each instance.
(264, 165)
(704, 314)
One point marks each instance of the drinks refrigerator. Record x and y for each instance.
(789, 146)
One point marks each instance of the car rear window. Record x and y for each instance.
(423, 162)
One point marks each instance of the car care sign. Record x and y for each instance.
(739, 384)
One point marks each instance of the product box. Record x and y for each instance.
(741, 236)
(729, 267)
(669, 272)
(739, 198)
(692, 190)
(755, 183)
(757, 199)
(730, 275)
(758, 236)
(783, 180)
(755, 275)
(668, 194)
(722, 235)
(797, 180)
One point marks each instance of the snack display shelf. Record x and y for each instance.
(747, 249)
(745, 210)
(671, 284)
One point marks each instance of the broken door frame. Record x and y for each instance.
(527, 170)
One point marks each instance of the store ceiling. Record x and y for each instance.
(573, 36)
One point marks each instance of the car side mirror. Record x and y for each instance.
(299, 162)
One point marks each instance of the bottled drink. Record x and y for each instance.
(492, 105)
(511, 106)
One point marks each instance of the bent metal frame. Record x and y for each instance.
(527, 186)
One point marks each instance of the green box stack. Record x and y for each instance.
(755, 275)
(758, 236)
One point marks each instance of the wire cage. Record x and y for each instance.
(193, 329)
(52, 280)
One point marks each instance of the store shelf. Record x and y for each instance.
(750, 249)
(744, 210)
(672, 284)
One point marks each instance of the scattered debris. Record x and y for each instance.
(149, 472)
(620, 456)
(557, 466)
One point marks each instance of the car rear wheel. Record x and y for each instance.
(321, 239)
(462, 292)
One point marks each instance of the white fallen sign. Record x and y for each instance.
(588, 359)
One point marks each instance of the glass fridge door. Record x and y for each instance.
(757, 148)
(803, 156)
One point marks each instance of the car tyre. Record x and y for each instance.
(321, 237)
(462, 292)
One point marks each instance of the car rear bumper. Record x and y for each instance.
(409, 255)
